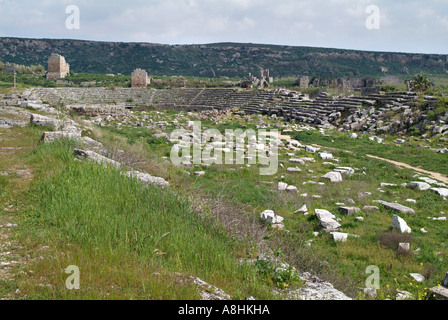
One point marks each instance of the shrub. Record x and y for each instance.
(391, 239)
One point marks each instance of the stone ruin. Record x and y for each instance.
(303, 82)
(262, 82)
(58, 68)
(140, 79)
(365, 86)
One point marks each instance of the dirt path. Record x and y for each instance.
(434, 175)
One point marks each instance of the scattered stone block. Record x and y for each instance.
(441, 191)
(404, 248)
(401, 225)
(321, 214)
(403, 295)
(311, 149)
(396, 207)
(349, 211)
(333, 177)
(418, 277)
(422, 186)
(440, 292)
(269, 216)
(147, 178)
(370, 208)
(339, 236)
(93, 156)
(303, 209)
(326, 156)
(345, 170)
(282, 186)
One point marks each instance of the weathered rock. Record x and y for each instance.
(370, 293)
(295, 169)
(57, 135)
(440, 292)
(269, 216)
(339, 236)
(282, 186)
(404, 248)
(396, 207)
(370, 208)
(209, 292)
(345, 170)
(44, 121)
(321, 214)
(325, 156)
(349, 211)
(333, 176)
(296, 160)
(93, 156)
(329, 224)
(303, 209)
(441, 191)
(311, 149)
(147, 178)
(418, 277)
(403, 295)
(92, 143)
(401, 225)
(316, 289)
(420, 185)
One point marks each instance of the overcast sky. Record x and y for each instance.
(405, 25)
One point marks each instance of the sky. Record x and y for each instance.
(416, 26)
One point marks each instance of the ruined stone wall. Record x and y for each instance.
(304, 82)
(58, 68)
(140, 79)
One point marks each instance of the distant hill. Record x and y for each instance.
(220, 59)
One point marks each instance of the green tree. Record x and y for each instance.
(2, 66)
(420, 83)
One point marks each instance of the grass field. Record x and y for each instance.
(140, 242)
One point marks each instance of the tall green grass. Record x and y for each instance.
(92, 206)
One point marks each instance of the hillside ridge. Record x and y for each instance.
(219, 59)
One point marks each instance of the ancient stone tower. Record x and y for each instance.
(58, 68)
(304, 82)
(140, 79)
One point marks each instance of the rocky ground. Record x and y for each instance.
(308, 173)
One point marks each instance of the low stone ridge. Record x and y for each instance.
(147, 178)
(93, 156)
